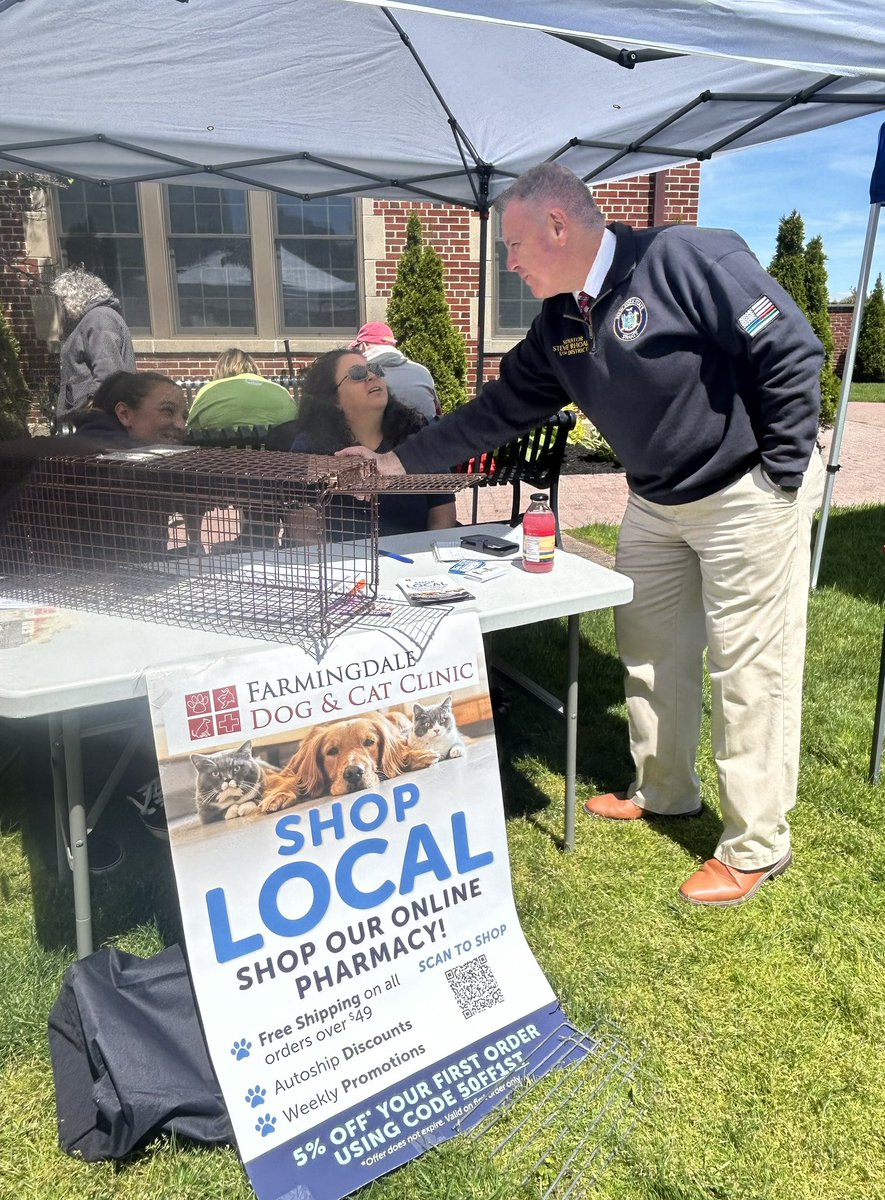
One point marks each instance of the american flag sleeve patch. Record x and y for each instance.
(758, 316)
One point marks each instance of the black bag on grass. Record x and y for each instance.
(128, 1057)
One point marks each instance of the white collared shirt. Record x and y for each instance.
(601, 263)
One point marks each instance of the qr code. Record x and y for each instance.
(474, 986)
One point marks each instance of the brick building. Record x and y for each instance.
(202, 269)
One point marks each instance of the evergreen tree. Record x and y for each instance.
(869, 362)
(788, 264)
(419, 315)
(14, 396)
(817, 294)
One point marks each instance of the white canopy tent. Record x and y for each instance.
(320, 96)
(836, 37)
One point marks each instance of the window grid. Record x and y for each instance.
(211, 254)
(515, 306)
(316, 252)
(100, 227)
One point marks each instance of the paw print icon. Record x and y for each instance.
(266, 1125)
(240, 1049)
(255, 1096)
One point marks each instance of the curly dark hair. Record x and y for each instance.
(130, 387)
(320, 415)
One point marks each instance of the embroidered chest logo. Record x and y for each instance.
(630, 320)
(571, 346)
(758, 316)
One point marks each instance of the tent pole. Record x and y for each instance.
(848, 371)
(481, 321)
(484, 180)
(481, 298)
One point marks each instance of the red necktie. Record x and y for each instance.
(585, 303)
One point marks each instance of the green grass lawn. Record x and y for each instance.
(765, 1025)
(870, 392)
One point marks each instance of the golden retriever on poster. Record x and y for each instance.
(347, 756)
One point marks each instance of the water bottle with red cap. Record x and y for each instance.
(538, 535)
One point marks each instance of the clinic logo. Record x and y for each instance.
(630, 319)
(212, 712)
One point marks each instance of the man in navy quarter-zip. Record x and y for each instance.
(703, 375)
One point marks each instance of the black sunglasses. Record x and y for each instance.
(360, 372)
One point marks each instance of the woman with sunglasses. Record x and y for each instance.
(345, 402)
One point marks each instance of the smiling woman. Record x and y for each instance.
(145, 408)
(346, 402)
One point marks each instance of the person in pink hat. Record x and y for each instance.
(409, 382)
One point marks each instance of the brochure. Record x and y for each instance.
(433, 589)
(481, 572)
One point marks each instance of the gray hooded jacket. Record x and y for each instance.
(98, 345)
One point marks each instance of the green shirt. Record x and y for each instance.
(241, 400)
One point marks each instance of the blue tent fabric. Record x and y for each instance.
(877, 182)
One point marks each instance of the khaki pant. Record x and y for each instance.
(730, 572)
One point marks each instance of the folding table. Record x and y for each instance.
(90, 660)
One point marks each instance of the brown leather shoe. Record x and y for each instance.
(616, 807)
(722, 886)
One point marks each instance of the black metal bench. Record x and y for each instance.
(239, 437)
(535, 459)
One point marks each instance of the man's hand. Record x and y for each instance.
(388, 464)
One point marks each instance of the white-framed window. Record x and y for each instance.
(210, 252)
(101, 228)
(317, 264)
(515, 306)
(196, 263)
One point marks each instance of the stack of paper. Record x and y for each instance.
(452, 552)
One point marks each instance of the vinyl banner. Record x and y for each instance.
(339, 846)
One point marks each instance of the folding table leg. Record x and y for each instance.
(568, 710)
(77, 831)
(571, 728)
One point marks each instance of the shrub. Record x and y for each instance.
(817, 293)
(788, 265)
(869, 363)
(419, 315)
(15, 399)
(587, 436)
(802, 272)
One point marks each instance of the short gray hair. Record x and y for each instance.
(551, 183)
(77, 289)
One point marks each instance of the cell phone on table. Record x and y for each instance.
(486, 543)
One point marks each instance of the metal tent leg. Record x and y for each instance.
(879, 723)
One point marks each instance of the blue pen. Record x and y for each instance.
(398, 557)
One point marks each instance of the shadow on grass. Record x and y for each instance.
(534, 731)
(531, 740)
(852, 560)
(141, 889)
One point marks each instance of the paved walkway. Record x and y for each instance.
(586, 499)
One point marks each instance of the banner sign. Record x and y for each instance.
(339, 845)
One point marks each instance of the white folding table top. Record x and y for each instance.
(93, 659)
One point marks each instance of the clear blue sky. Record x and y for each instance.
(824, 174)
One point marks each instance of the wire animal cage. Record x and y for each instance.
(246, 542)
